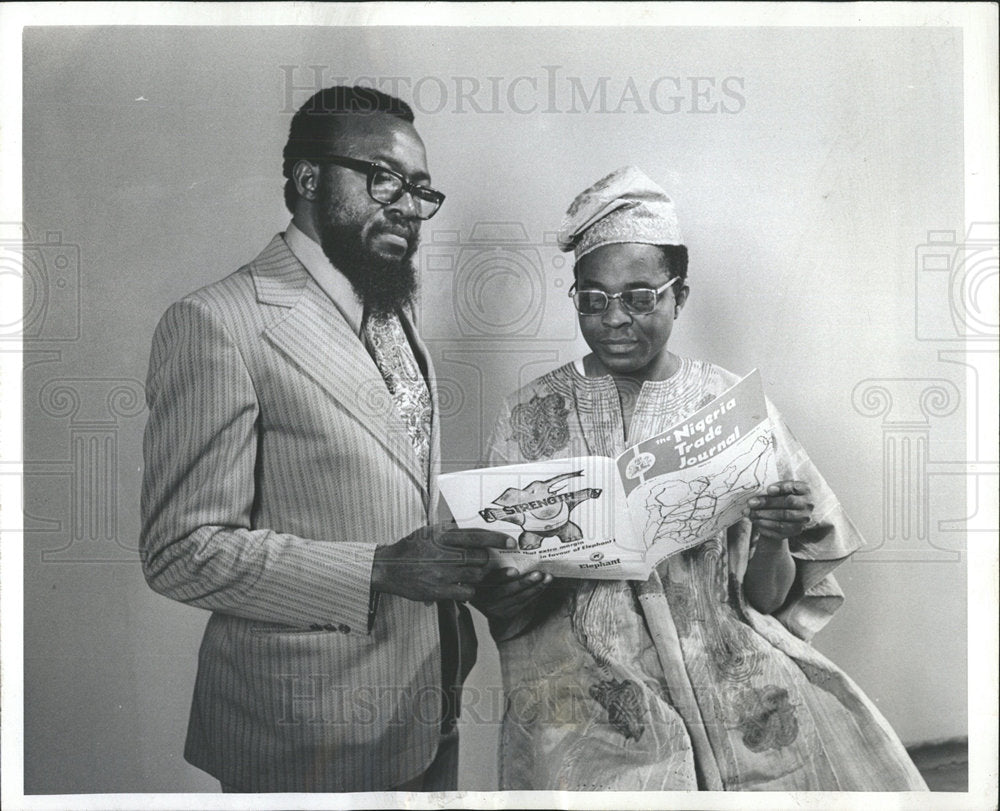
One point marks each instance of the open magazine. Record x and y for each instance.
(613, 519)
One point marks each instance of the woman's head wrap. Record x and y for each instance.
(625, 206)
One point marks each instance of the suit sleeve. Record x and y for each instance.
(198, 543)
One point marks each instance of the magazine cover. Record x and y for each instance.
(596, 517)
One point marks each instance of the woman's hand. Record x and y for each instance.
(783, 512)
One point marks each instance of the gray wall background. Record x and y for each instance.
(818, 174)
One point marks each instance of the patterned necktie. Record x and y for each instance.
(391, 350)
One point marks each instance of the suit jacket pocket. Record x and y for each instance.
(277, 628)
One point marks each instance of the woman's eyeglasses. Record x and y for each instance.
(637, 301)
(386, 186)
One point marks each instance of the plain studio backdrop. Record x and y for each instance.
(818, 174)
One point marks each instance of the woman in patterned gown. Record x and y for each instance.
(701, 677)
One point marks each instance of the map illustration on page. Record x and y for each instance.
(612, 519)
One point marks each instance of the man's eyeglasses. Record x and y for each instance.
(386, 186)
(637, 301)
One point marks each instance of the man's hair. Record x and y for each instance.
(322, 118)
(675, 258)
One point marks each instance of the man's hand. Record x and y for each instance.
(781, 514)
(437, 562)
(784, 512)
(503, 593)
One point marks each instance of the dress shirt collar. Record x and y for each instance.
(331, 281)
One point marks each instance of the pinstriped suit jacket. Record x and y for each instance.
(274, 465)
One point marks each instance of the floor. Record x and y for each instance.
(945, 765)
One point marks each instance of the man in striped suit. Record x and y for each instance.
(289, 483)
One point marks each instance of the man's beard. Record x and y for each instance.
(383, 285)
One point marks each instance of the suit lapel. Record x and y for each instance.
(316, 338)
